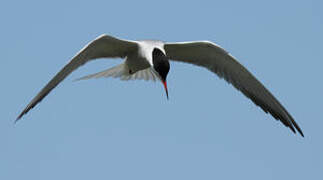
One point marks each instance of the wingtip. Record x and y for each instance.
(299, 131)
(294, 126)
(18, 118)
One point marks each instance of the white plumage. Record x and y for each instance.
(141, 63)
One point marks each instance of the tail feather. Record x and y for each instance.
(115, 72)
(121, 71)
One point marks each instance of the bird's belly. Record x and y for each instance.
(137, 64)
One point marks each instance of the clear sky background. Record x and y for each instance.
(110, 129)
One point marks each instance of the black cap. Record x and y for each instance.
(161, 63)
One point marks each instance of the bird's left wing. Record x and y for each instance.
(104, 46)
(217, 60)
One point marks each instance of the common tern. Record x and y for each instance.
(149, 60)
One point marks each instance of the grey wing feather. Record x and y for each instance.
(217, 60)
(103, 46)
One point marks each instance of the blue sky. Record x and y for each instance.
(109, 129)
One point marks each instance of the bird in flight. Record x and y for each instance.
(149, 60)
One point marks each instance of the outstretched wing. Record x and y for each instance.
(217, 60)
(103, 47)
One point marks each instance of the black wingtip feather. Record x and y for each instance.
(290, 123)
(21, 114)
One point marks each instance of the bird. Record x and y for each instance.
(149, 60)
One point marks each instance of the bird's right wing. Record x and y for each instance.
(217, 60)
(103, 47)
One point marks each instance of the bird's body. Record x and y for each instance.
(149, 60)
(142, 58)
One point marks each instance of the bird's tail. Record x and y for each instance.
(116, 72)
(122, 71)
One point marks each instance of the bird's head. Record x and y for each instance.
(161, 66)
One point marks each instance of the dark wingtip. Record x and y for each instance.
(15, 122)
(23, 113)
(302, 134)
(300, 131)
(293, 125)
(19, 117)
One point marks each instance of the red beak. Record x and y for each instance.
(165, 86)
